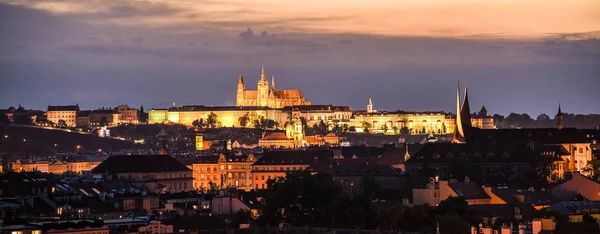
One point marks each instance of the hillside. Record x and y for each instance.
(41, 140)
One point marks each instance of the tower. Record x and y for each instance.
(273, 82)
(559, 118)
(240, 91)
(458, 136)
(263, 90)
(370, 106)
(465, 110)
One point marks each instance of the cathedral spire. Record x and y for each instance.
(273, 82)
(559, 118)
(241, 80)
(370, 106)
(262, 74)
(465, 110)
(458, 135)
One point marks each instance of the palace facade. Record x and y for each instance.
(227, 116)
(266, 96)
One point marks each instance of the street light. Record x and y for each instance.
(5, 136)
(24, 140)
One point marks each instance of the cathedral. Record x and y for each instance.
(268, 96)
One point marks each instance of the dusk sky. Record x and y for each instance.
(517, 56)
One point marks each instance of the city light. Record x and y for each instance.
(5, 136)
(24, 140)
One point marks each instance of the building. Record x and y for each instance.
(539, 199)
(293, 138)
(83, 118)
(156, 227)
(268, 96)
(498, 158)
(482, 119)
(65, 113)
(314, 114)
(396, 122)
(22, 166)
(104, 117)
(275, 164)
(127, 115)
(226, 116)
(222, 171)
(162, 169)
(437, 191)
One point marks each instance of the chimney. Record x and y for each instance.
(473, 230)
(505, 230)
(467, 180)
(487, 230)
(521, 228)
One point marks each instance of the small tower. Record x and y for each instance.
(240, 91)
(559, 118)
(273, 82)
(458, 136)
(370, 106)
(263, 90)
(465, 110)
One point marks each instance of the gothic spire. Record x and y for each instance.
(466, 110)
(273, 82)
(241, 80)
(458, 135)
(262, 74)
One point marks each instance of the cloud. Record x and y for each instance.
(345, 42)
(266, 39)
(578, 45)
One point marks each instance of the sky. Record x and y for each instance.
(516, 56)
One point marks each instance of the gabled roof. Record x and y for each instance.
(287, 94)
(536, 198)
(469, 190)
(140, 164)
(275, 136)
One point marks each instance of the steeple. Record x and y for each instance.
(458, 136)
(273, 82)
(370, 106)
(559, 118)
(241, 80)
(465, 110)
(262, 74)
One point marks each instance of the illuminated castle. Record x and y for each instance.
(266, 96)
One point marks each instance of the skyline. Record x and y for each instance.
(406, 55)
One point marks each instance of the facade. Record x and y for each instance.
(314, 114)
(157, 116)
(66, 113)
(394, 122)
(223, 171)
(293, 138)
(163, 169)
(83, 119)
(227, 116)
(482, 119)
(127, 115)
(268, 96)
(156, 227)
(104, 117)
(41, 166)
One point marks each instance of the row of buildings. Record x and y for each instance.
(74, 117)
(280, 105)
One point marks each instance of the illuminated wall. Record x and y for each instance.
(199, 142)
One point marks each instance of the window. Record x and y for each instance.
(229, 167)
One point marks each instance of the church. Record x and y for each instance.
(268, 96)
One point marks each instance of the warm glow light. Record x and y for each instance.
(5, 136)
(78, 146)
(24, 139)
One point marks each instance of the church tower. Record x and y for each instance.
(240, 91)
(370, 106)
(263, 90)
(273, 83)
(559, 118)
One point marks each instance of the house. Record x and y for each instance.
(577, 184)
(162, 169)
(437, 191)
(275, 164)
(539, 199)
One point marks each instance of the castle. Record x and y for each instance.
(265, 96)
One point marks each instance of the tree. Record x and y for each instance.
(322, 128)
(345, 128)
(454, 224)
(396, 130)
(62, 123)
(23, 119)
(103, 121)
(366, 126)
(244, 120)
(241, 217)
(4, 119)
(385, 128)
(444, 130)
(336, 129)
(352, 129)
(404, 131)
(592, 169)
(211, 121)
(424, 130)
(587, 218)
